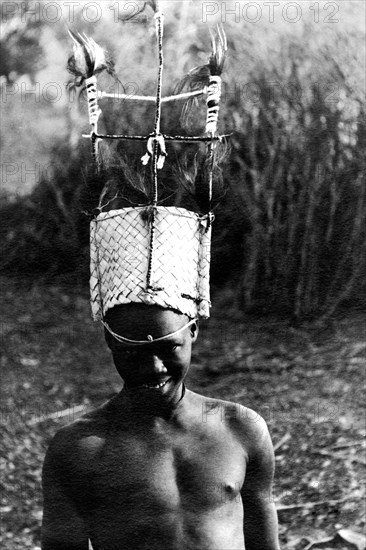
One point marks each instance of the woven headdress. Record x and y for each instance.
(153, 254)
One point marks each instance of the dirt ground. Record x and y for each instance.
(307, 382)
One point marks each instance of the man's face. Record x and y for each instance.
(156, 369)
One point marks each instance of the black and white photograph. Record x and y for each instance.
(183, 275)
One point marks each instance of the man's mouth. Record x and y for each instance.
(158, 386)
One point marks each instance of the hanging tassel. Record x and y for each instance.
(147, 156)
(162, 154)
(123, 185)
(193, 175)
(209, 182)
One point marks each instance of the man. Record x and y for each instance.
(159, 467)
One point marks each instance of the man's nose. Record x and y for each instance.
(156, 364)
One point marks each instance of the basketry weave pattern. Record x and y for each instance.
(179, 260)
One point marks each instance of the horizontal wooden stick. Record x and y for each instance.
(167, 138)
(151, 98)
(196, 138)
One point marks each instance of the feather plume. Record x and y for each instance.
(88, 59)
(199, 77)
(116, 184)
(218, 51)
(93, 183)
(209, 169)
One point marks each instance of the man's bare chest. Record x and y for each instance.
(191, 470)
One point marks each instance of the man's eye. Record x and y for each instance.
(131, 352)
(127, 352)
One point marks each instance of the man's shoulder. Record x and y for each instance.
(230, 411)
(242, 421)
(84, 433)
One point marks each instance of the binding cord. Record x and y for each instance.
(151, 247)
(159, 148)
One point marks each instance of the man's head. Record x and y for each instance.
(156, 369)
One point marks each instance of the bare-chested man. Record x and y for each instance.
(159, 467)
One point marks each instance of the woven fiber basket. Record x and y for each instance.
(151, 255)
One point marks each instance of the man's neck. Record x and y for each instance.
(146, 410)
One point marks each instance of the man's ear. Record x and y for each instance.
(194, 331)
